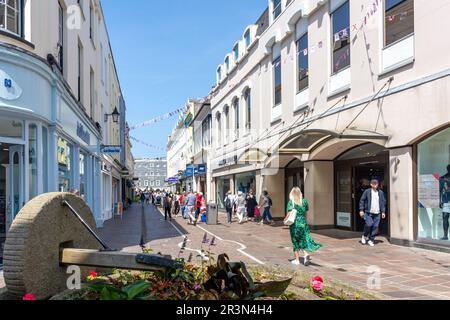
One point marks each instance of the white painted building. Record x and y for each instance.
(55, 59)
(326, 95)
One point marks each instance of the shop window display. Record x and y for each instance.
(434, 187)
(64, 165)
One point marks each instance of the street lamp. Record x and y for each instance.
(115, 116)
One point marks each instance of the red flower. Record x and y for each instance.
(317, 283)
(93, 274)
(29, 297)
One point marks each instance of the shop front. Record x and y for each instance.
(47, 144)
(353, 172)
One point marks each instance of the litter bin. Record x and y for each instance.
(212, 214)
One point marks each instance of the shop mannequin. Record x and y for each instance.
(444, 191)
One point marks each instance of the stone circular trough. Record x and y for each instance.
(32, 248)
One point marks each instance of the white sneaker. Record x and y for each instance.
(363, 240)
(371, 244)
(295, 262)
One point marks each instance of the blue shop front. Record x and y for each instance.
(47, 143)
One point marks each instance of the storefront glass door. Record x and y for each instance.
(15, 188)
(353, 172)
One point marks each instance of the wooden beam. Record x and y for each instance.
(113, 260)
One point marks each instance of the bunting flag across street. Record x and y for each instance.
(148, 145)
(158, 119)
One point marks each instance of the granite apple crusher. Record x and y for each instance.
(54, 231)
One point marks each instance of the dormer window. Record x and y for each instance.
(236, 53)
(227, 64)
(11, 16)
(276, 9)
(248, 39)
(219, 74)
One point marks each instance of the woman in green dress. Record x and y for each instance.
(302, 240)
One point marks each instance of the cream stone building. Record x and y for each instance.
(326, 95)
(56, 86)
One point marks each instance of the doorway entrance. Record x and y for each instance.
(353, 172)
(294, 177)
(11, 188)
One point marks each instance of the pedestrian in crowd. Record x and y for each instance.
(167, 202)
(301, 238)
(198, 205)
(176, 204)
(184, 202)
(240, 207)
(251, 204)
(142, 198)
(229, 202)
(191, 208)
(372, 209)
(265, 205)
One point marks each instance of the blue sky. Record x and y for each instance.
(168, 51)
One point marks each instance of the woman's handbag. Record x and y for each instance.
(257, 212)
(291, 218)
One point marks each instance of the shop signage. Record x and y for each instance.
(344, 219)
(173, 180)
(111, 149)
(9, 89)
(189, 170)
(429, 196)
(228, 161)
(83, 134)
(188, 119)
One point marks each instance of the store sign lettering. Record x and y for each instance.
(10, 90)
(228, 161)
(83, 134)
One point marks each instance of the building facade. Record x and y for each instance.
(202, 131)
(151, 174)
(326, 95)
(52, 69)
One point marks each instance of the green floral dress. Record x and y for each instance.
(300, 233)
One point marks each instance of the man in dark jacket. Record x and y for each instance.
(372, 209)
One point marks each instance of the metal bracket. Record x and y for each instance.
(106, 248)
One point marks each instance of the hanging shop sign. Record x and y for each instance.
(9, 89)
(189, 170)
(188, 120)
(200, 170)
(111, 149)
(173, 180)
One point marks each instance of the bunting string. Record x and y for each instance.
(148, 145)
(159, 119)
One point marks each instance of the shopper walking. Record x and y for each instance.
(229, 203)
(176, 204)
(240, 207)
(301, 238)
(372, 209)
(198, 205)
(266, 204)
(167, 202)
(191, 207)
(251, 204)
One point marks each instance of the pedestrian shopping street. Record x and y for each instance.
(406, 273)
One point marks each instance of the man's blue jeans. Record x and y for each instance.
(372, 225)
(266, 215)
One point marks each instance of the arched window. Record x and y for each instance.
(11, 16)
(227, 124)
(219, 74)
(248, 106)
(219, 129)
(237, 122)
